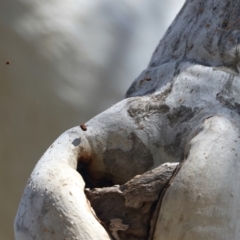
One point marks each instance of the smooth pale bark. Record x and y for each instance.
(184, 106)
(203, 200)
(54, 198)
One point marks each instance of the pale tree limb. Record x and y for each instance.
(184, 106)
(203, 200)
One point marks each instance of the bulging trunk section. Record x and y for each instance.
(183, 108)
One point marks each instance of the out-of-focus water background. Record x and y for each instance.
(61, 63)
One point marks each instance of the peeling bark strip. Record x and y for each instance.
(132, 203)
(185, 105)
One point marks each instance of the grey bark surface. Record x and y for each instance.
(183, 108)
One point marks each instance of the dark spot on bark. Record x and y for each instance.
(175, 44)
(227, 4)
(141, 110)
(230, 68)
(90, 181)
(83, 163)
(181, 114)
(227, 15)
(228, 102)
(122, 166)
(229, 52)
(226, 96)
(137, 89)
(82, 168)
(224, 23)
(7, 63)
(164, 108)
(83, 127)
(156, 50)
(76, 142)
(21, 227)
(84, 156)
(154, 63)
(207, 25)
(176, 147)
(45, 208)
(201, 10)
(176, 71)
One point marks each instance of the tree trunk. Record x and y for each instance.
(183, 108)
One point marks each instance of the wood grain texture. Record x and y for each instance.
(133, 202)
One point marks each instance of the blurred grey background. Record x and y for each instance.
(61, 63)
